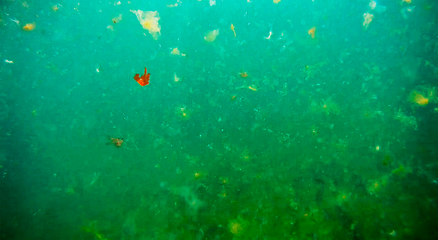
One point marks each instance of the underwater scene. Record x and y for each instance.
(219, 119)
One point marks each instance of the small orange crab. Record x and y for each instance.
(243, 74)
(311, 32)
(115, 141)
(29, 27)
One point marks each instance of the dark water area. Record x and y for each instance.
(259, 119)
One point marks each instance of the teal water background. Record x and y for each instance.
(322, 139)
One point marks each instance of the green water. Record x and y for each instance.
(331, 136)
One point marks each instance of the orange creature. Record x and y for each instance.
(29, 27)
(367, 19)
(55, 8)
(418, 98)
(311, 32)
(143, 80)
(115, 141)
(243, 74)
(232, 29)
